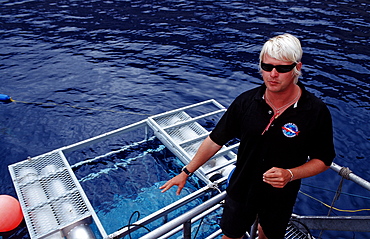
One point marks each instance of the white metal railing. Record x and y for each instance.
(174, 225)
(182, 134)
(348, 174)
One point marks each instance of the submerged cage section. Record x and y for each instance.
(52, 201)
(183, 130)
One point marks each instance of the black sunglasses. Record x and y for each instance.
(279, 68)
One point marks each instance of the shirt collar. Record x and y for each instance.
(302, 100)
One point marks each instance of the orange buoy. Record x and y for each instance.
(10, 213)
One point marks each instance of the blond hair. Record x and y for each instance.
(284, 47)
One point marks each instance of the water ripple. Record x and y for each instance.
(152, 56)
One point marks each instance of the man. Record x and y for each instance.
(285, 134)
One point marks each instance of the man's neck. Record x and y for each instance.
(279, 99)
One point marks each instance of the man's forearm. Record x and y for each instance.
(309, 169)
(206, 150)
(279, 177)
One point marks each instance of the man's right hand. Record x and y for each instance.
(206, 150)
(178, 180)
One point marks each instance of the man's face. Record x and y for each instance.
(275, 81)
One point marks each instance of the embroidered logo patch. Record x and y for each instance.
(290, 130)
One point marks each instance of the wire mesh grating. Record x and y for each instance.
(171, 119)
(48, 193)
(185, 132)
(293, 232)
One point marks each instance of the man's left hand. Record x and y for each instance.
(277, 177)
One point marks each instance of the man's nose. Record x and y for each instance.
(274, 72)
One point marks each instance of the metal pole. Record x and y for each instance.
(187, 229)
(353, 177)
(254, 229)
(184, 217)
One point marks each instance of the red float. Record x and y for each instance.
(10, 213)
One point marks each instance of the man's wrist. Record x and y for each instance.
(187, 172)
(291, 174)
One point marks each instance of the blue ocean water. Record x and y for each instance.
(81, 68)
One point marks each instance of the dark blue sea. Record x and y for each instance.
(80, 68)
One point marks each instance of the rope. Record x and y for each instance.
(345, 172)
(334, 208)
(331, 190)
(78, 107)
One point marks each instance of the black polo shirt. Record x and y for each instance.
(301, 132)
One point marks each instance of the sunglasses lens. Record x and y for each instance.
(284, 69)
(279, 68)
(267, 67)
